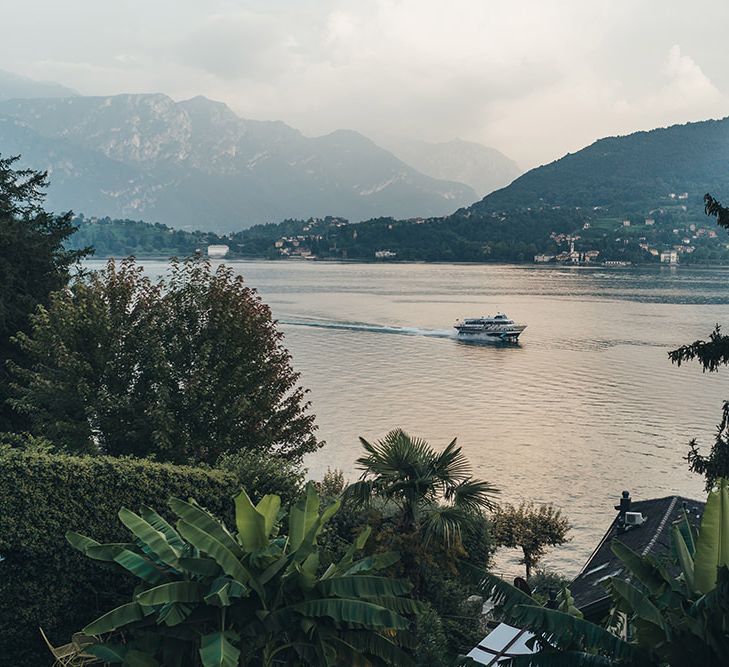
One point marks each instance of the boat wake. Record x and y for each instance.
(370, 328)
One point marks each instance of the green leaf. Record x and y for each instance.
(222, 555)
(80, 542)
(198, 517)
(302, 516)
(204, 567)
(635, 601)
(684, 558)
(359, 612)
(175, 591)
(115, 619)
(111, 653)
(269, 506)
(712, 547)
(251, 524)
(564, 631)
(218, 650)
(377, 562)
(155, 520)
(650, 573)
(150, 536)
(364, 586)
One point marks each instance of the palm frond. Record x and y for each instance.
(472, 494)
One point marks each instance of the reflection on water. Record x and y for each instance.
(585, 406)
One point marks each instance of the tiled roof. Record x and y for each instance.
(651, 537)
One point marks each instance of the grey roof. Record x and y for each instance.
(651, 537)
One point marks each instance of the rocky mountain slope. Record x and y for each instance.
(195, 164)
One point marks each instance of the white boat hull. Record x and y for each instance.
(496, 333)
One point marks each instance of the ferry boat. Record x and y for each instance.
(499, 328)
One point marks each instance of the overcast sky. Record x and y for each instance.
(533, 78)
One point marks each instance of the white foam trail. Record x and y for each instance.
(373, 328)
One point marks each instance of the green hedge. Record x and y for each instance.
(46, 583)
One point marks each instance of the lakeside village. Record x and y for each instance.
(666, 235)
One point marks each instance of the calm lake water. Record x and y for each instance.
(585, 406)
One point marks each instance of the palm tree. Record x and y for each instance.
(433, 492)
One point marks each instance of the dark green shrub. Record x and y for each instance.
(43, 581)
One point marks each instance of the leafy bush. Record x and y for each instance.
(261, 473)
(43, 581)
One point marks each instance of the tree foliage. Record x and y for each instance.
(33, 263)
(531, 528)
(249, 596)
(711, 354)
(182, 369)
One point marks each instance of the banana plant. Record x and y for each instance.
(211, 596)
(674, 620)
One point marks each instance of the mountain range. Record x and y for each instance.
(195, 164)
(631, 173)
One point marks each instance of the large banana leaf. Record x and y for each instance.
(115, 619)
(302, 517)
(251, 524)
(712, 547)
(139, 566)
(149, 536)
(647, 570)
(499, 591)
(635, 602)
(111, 653)
(174, 591)
(685, 559)
(358, 612)
(569, 632)
(269, 506)
(374, 644)
(196, 516)
(220, 552)
(154, 519)
(218, 650)
(364, 586)
(203, 567)
(375, 562)
(222, 590)
(80, 542)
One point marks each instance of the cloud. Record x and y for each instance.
(534, 79)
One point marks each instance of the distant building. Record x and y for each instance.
(669, 257)
(650, 221)
(218, 251)
(683, 195)
(543, 259)
(626, 223)
(384, 254)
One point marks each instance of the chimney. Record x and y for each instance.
(623, 508)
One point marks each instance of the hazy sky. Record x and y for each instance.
(533, 78)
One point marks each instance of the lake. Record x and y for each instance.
(585, 406)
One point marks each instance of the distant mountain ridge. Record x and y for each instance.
(631, 172)
(196, 164)
(16, 86)
(483, 168)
